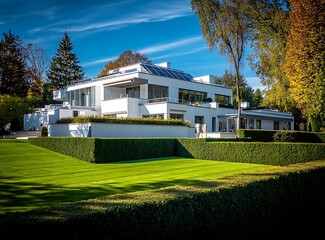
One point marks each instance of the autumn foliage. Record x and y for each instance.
(124, 59)
(305, 57)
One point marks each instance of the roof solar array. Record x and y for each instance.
(167, 72)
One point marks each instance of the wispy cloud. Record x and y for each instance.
(100, 61)
(179, 54)
(167, 46)
(155, 13)
(155, 49)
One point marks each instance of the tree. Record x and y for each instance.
(12, 109)
(224, 25)
(38, 61)
(305, 59)
(14, 72)
(124, 59)
(64, 69)
(268, 30)
(229, 80)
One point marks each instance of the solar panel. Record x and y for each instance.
(171, 73)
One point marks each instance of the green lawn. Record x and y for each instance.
(33, 177)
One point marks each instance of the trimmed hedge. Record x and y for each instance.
(103, 150)
(279, 203)
(77, 147)
(112, 150)
(129, 120)
(250, 152)
(267, 135)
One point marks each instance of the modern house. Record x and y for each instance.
(156, 90)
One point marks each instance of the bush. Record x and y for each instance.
(283, 136)
(44, 132)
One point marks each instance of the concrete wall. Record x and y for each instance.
(107, 130)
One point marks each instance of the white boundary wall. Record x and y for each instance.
(113, 130)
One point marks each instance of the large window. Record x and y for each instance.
(222, 99)
(157, 91)
(133, 92)
(186, 96)
(81, 97)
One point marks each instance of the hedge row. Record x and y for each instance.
(77, 147)
(97, 150)
(112, 150)
(285, 202)
(129, 120)
(250, 152)
(103, 150)
(267, 135)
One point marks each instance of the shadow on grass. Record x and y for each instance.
(17, 195)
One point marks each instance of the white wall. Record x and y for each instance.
(105, 130)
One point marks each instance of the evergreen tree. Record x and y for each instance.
(64, 69)
(14, 72)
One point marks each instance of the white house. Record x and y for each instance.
(157, 90)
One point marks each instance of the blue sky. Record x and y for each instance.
(100, 30)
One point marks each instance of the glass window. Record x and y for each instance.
(177, 116)
(258, 124)
(133, 92)
(199, 119)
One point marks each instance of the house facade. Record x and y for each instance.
(156, 90)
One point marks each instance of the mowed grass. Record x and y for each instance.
(33, 177)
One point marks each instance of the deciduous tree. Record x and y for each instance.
(124, 59)
(305, 59)
(64, 68)
(268, 28)
(224, 26)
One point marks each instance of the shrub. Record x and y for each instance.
(283, 136)
(44, 132)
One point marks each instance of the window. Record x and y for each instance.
(258, 124)
(199, 119)
(81, 97)
(133, 92)
(185, 96)
(222, 99)
(276, 125)
(75, 113)
(251, 123)
(177, 116)
(157, 91)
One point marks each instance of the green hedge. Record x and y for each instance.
(152, 121)
(97, 150)
(250, 152)
(112, 150)
(285, 202)
(102, 150)
(77, 147)
(267, 135)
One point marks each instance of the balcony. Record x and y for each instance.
(126, 106)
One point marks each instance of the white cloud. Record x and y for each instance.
(179, 54)
(145, 14)
(155, 49)
(167, 46)
(104, 60)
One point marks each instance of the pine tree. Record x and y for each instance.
(14, 72)
(64, 69)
